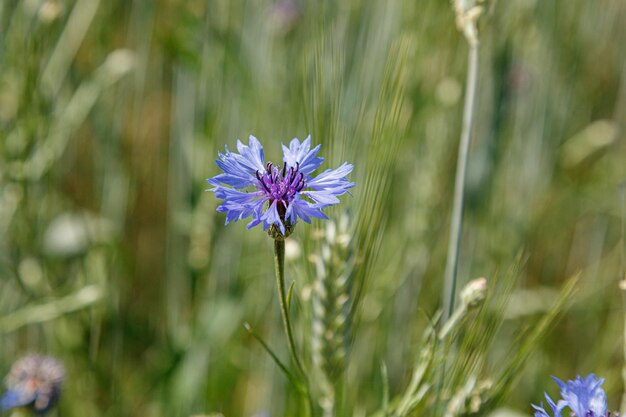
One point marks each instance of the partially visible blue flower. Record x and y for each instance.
(584, 397)
(277, 195)
(34, 381)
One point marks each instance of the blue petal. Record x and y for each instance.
(240, 169)
(556, 408)
(235, 196)
(541, 412)
(232, 180)
(301, 154)
(16, 398)
(304, 210)
(333, 179)
(584, 395)
(597, 397)
(271, 217)
(234, 174)
(237, 205)
(253, 209)
(253, 156)
(324, 198)
(255, 222)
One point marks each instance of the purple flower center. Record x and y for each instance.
(280, 184)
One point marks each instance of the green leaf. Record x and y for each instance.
(292, 379)
(289, 294)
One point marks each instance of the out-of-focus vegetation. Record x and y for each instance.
(113, 259)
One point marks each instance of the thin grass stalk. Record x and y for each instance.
(620, 112)
(512, 371)
(622, 286)
(620, 115)
(452, 261)
(420, 370)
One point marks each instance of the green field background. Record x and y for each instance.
(114, 260)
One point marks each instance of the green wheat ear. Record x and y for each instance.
(331, 302)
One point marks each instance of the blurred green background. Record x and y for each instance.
(113, 258)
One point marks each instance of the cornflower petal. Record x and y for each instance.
(235, 196)
(240, 169)
(541, 412)
(15, 398)
(304, 210)
(237, 205)
(584, 395)
(253, 156)
(234, 174)
(324, 197)
(333, 179)
(235, 177)
(301, 155)
(256, 215)
(271, 217)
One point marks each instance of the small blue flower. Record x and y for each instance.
(585, 397)
(277, 195)
(34, 381)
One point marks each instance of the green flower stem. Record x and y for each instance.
(279, 266)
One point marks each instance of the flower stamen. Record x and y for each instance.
(281, 185)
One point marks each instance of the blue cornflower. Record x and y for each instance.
(34, 381)
(277, 195)
(584, 397)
